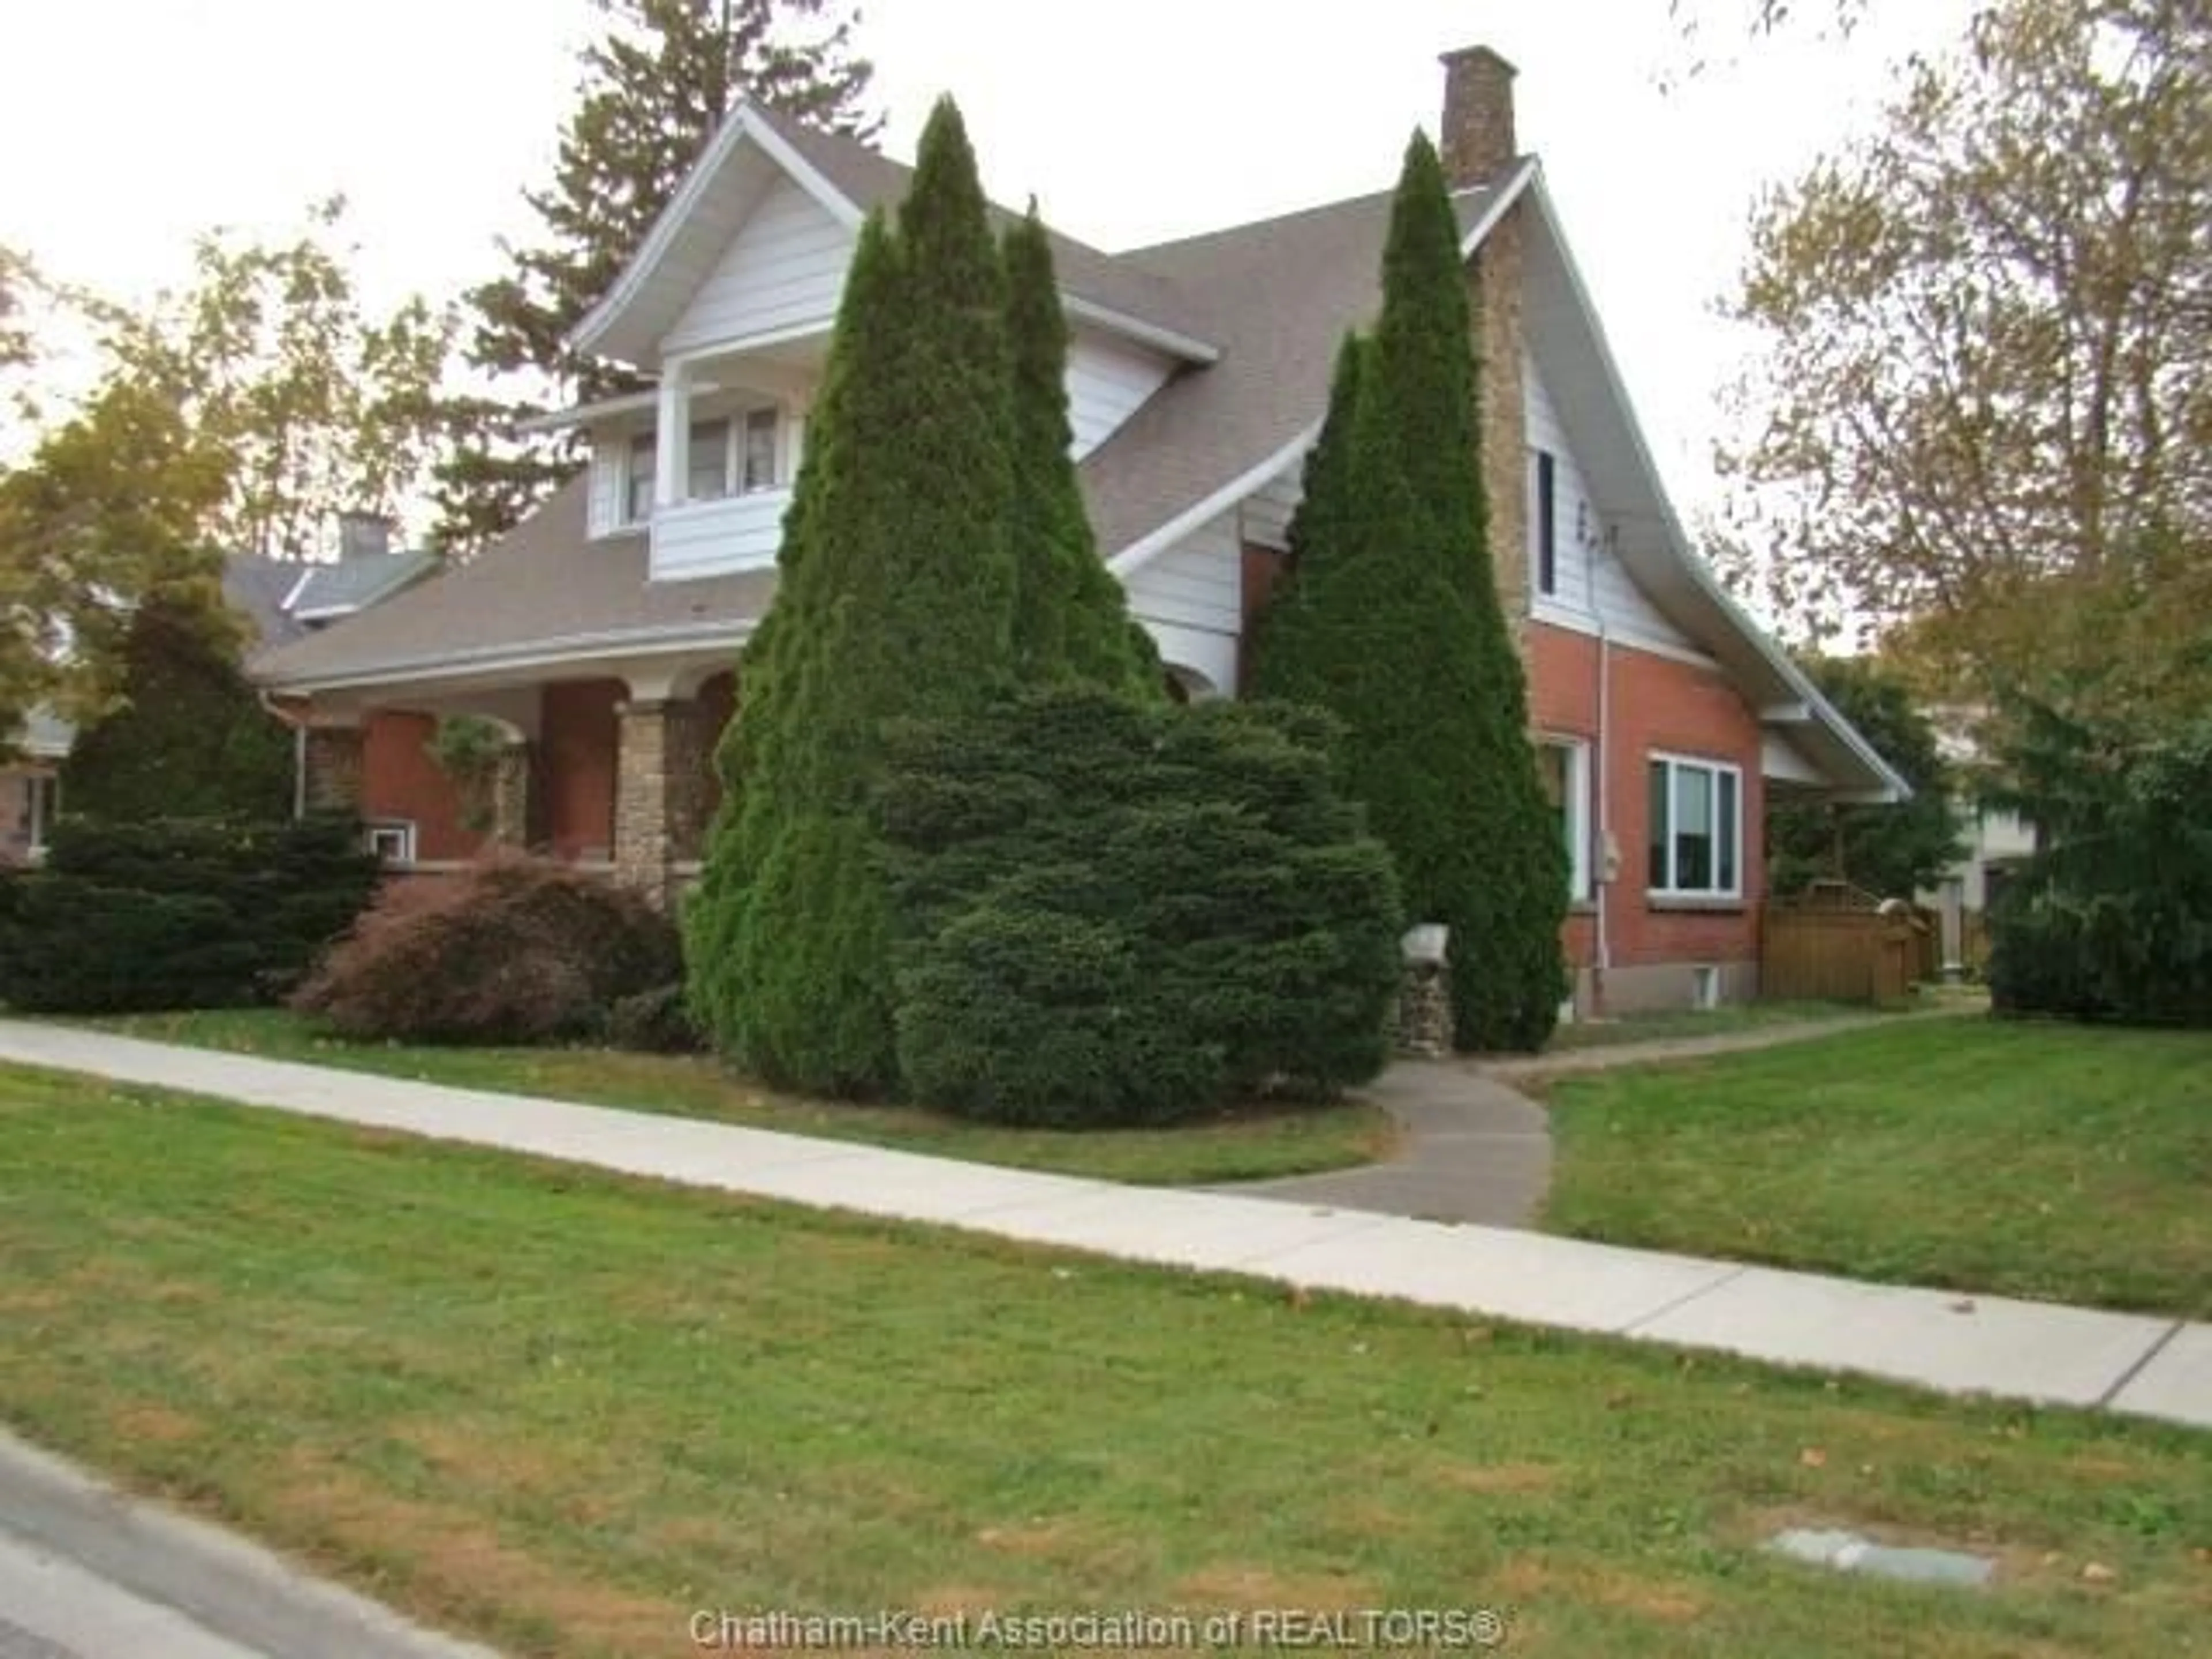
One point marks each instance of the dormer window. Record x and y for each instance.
(637, 496)
(707, 476)
(758, 471)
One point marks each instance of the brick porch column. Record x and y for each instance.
(332, 765)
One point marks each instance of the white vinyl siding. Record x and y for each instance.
(1265, 517)
(1107, 381)
(712, 538)
(1589, 579)
(1197, 583)
(1192, 598)
(782, 273)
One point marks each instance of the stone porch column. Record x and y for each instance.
(509, 788)
(332, 764)
(647, 809)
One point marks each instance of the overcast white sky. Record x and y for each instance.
(131, 124)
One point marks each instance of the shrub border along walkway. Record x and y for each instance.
(2029, 1351)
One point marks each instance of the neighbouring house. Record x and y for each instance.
(281, 600)
(30, 785)
(601, 634)
(1994, 845)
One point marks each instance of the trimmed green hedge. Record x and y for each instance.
(177, 913)
(1112, 913)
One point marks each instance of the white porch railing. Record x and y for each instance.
(714, 537)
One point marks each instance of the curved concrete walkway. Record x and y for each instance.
(2042, 1351)
(1469, 1150)
(1473, 1149)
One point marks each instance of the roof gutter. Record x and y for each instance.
(541, 653)
(1890, 785)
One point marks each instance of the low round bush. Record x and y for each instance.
(512, 950)
(1113, 912)
(166, 914)
(655, 1022)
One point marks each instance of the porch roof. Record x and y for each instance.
(543, 593)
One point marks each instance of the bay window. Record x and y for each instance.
(1696, 818)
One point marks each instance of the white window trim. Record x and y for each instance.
(1735, 828)
(733, 460)
(42, 805)
(1577, 751)
(1537, 456)
(375, 830)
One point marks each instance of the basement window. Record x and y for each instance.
(392, 839)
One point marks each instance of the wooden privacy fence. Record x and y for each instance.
(1834, 942)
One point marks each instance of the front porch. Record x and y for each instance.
(608, 767)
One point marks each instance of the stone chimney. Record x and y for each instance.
(1479, 145)
(363, 535)
(1478, 129)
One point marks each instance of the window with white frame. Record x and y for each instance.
(1563, 765)
(1696, 818)
(756, 463)
(392, 839)
(1544, 522)
(706, 466)
(637, 487)
(42, 793)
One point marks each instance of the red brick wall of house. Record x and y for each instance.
(575, 776)
(398, 780)
(1657, 704)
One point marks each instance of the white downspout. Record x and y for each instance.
(299, 750)
(1607, 854)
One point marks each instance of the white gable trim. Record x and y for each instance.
(1890, 786)
(1079, 309)
(743, 125)
(1146, 548)
(746, 124)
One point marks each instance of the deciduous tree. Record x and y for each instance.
(319, 405)
(1982, 414)
(110, 511)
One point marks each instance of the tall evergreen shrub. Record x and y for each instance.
(896, 600)
(1071, 619)
(1389, 618)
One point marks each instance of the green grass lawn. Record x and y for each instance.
(561, 1411)
(1725, 1021)
(1249, 1146)
(2026, 1159)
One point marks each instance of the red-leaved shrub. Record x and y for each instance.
(513, 951)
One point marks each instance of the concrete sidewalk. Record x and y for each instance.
(1939, 1340)
(88, 1571)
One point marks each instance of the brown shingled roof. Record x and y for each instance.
(1275, 297)
(542, 588)
(869, 179)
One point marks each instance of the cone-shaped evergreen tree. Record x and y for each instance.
(896, 600)
(1072, 618)
(1389, 618)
